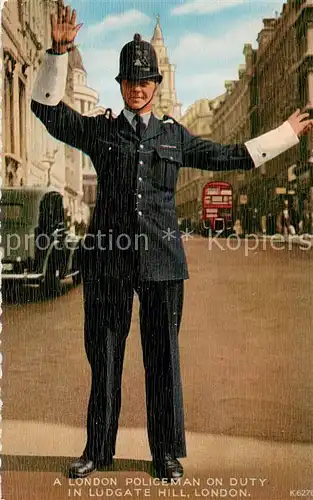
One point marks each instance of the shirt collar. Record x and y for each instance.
(130, 115)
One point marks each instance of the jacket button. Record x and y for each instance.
(139, 195)
(140, 179)
(141, 146)
(263, 154)
(139, 213)
(48, 95)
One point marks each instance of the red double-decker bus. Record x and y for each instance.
(217, 208)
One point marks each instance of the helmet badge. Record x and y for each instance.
(137, 61)
(141, 56)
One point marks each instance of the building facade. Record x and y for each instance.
(23, 38)
(284, 72)
(30, 155)
(276, 79)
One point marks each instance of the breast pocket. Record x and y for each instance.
(113, 159)
(166, 165)
(113, 151)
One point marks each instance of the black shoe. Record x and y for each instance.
(168, 468)
(83, 466)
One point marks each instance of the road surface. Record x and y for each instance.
(246, 355)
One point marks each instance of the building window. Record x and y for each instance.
(10, 179)
(22, 123)
(20, 10)
(6, 121)
(8, 115)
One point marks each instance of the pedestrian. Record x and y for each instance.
(263, 225)
(287, 223)
(137, 158)
(294, 219)
(237, 227)
(305, 217)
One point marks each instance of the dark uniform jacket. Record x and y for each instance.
(134, 225)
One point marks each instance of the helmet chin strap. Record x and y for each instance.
(135, 110)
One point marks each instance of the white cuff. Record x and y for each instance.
(49, 87)
(268, 146)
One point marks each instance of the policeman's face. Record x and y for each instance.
(137, 94)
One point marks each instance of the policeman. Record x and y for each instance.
(133, 242)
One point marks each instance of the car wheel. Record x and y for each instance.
(11, 292)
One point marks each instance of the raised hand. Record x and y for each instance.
(299, 125)
(63, 28)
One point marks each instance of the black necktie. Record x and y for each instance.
(140, 126)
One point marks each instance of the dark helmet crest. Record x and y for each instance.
(137, 37)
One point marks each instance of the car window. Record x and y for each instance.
(11, 212)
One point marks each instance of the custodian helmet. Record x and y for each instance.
(138, 61)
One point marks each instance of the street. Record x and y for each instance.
(246, 359)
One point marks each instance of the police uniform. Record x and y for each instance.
(141, 248)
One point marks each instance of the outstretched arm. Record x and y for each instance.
(208, 155)
(61, 121)
(273, 143)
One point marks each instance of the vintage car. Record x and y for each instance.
(37, 249)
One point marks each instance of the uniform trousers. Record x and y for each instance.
(108, 309)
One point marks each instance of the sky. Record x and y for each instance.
(204, 38)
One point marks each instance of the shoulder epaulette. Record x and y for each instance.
(108, 114)
(169, 119)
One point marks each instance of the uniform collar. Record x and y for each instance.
(126, 129)
(129, 115)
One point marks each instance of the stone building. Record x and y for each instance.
(30, 155)
(166, 102)
(276, 79)
(284, 73)
(22, 42)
